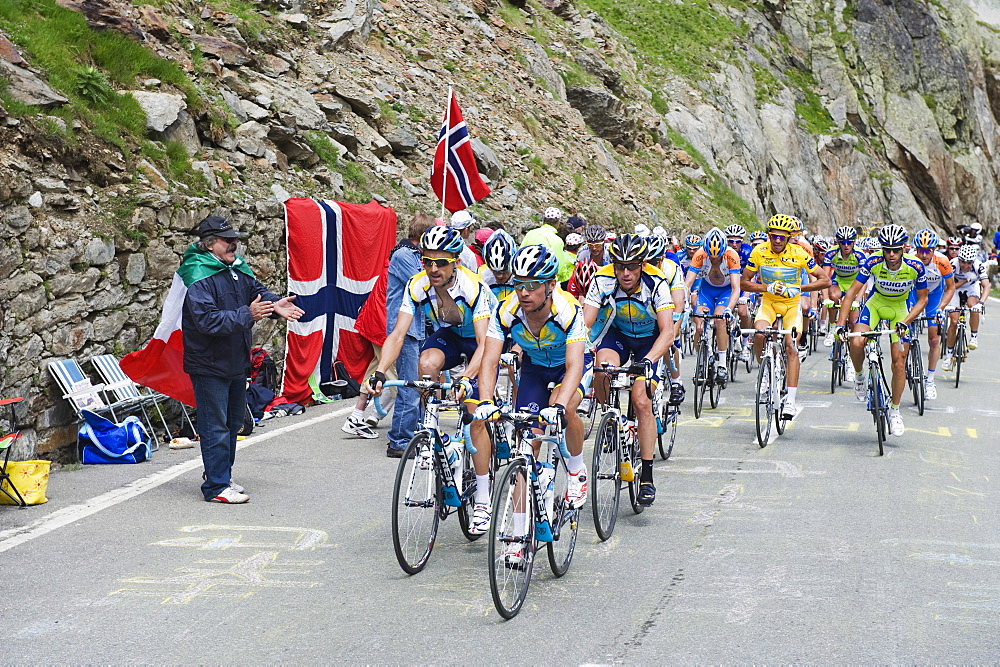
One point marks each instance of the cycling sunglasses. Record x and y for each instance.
(734, 241)
(631, 266)
(530, 285)
(851, 242)
(780, 235)
(439, 262)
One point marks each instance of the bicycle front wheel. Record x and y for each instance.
(959, 357)
(565, 523)
(416, 501)
(835, 368)
(878, 407)
(917, 371)
(606, 490)
(765, 401)
(700, 380)
(714, 388)
(512, 535)
(468, 492)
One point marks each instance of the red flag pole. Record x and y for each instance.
(447, 136)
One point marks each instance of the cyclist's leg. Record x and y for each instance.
(792, 320)
(972, 302)
(898, 348)
(765, 318)
(933, 331)
(857, 345)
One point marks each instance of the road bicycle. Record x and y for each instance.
(435, 479)
(667, 414)
(772, 381)
(616, 457)
(530, 510)
(915, 378)
(588, 406)
(839, 358)
(961, 350)
(879, 396)
(735, 346)
(687, 334)
(705, 373)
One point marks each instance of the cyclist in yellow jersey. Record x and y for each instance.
(779, 263)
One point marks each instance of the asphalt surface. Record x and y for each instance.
(813, 549)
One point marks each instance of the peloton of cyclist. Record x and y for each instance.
(780, 264)
(892, 275)
(940, 287)
(640, 325)
(718, 267)
(547, 324)
(458, 305)
(970, 278)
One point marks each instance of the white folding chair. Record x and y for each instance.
(124, 389)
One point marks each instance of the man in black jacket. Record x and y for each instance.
(222, 303)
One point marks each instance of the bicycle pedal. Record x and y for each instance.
(627, 473)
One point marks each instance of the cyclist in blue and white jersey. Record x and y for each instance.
(458, 306)
(547, 324)
(940, 286)
(718, 268)
(498, 253)
(971, 283)
(641, 326)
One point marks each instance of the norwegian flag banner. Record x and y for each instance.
(336, 251)
(454, 177)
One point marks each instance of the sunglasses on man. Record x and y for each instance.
(631, 266)
(777, 237)
(529, 285)
(439, 262)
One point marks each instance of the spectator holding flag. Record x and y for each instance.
(220, 308)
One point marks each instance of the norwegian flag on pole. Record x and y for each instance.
(454, 176)
(336, 251)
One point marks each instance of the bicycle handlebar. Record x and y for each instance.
(635, 370)
(423, 385)
(524, 417)
(770, 331)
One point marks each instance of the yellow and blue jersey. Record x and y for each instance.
(633, 314)
(563, 326)
(474, 301)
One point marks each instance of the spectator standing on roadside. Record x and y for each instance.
(404, 263)
(547, 235)
(463, 222)
(222, 304)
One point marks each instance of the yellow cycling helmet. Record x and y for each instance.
(784, 223)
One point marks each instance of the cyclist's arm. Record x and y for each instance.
(589, 315)
(949, 291)
(480, 326)
(734, 296)
(918, 307)
(665, 338)
(747, 283)
(574, 374)
(822, 281)
(394, 341)
(490, 350)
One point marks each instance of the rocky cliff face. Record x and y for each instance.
(840, 112)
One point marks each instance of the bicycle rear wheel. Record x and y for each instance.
(590, 418)
(632, 452)
(606, 491)
(512, 535)
(565, 523)
(765, 401)
(781, 388)
(416, 501)
(714, 388)
(667, 433)
(835, 367)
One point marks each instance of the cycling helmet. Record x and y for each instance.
(535, 262)
(714, 243)
(442, 238)
(821, 244)
(977, 227)
(498, 252)
(925, 239)
(692, 241)
(758, 237)
(784, 223)
(846, 233)
(574, 239)
(892, 236)
(552, 213)
(657, 246)
(595, 234)
(629, 248)
(954, 240)
(968, 253)
(584, 273)
(736, 230)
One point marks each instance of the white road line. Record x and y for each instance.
(13, 537)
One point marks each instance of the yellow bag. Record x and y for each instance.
(31, 478)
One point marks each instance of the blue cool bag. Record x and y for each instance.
(104, 441)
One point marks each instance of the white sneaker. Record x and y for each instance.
(860, 388)
(949, 361)
(973, 342)
(230, 496)
(358, 428)
(236, 487)
(481, 515)
(513, 555)
(788, 410)
(896, 422)
(745, 354)
(849, 375)
(828, 341)
(930, 390)
(373, 419)
(584, 407)
(576, 489)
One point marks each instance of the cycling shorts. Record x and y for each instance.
(790, 312)
(713, 296)
(533, 391)
(454, 347)
(626, 345)
(844, 282)
(879, 307)
(934, 304)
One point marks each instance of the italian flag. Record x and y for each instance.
(160, 364)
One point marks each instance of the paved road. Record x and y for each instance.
(812, 549)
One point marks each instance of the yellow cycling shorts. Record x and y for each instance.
(789, 309)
